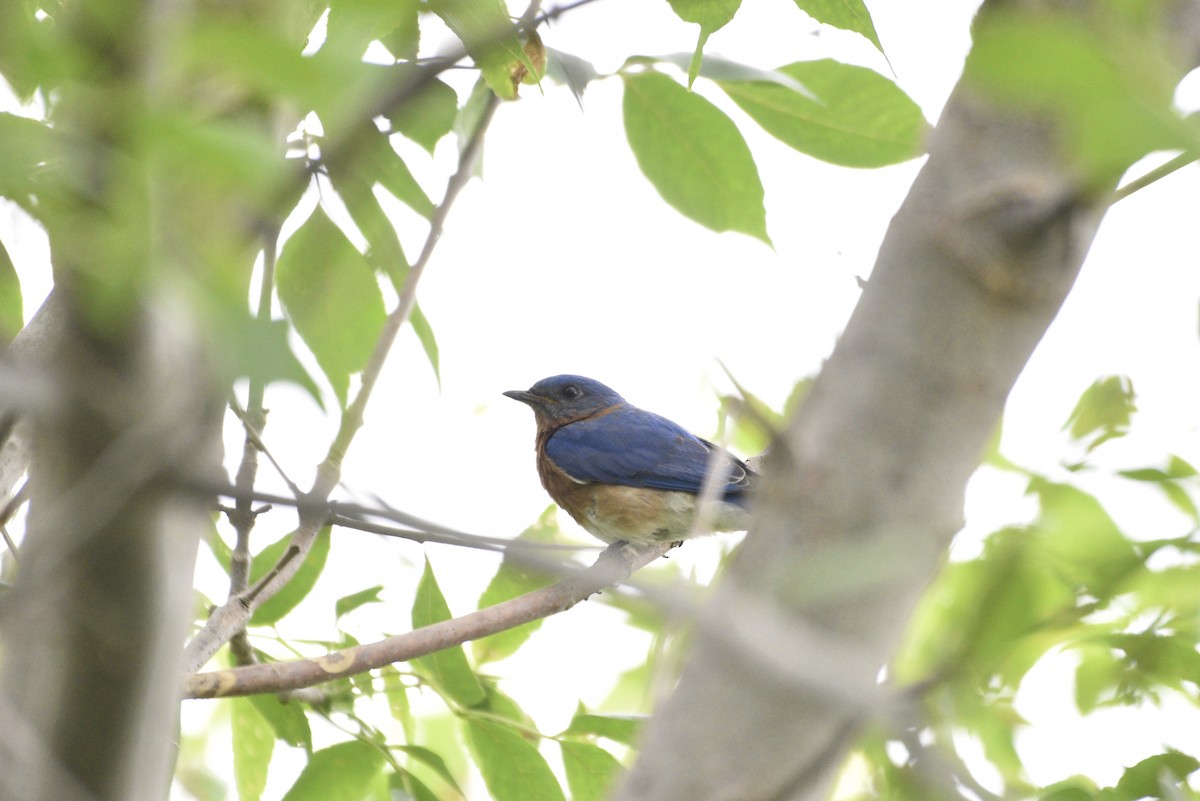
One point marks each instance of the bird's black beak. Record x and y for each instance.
(528, 398)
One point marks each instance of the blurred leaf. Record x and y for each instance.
(411, 787)
(1176, 588)
(711, 16)
(1101, 76)
(342, 772)
(716, 68)
(512, 767)
(693, 155)
(1144, 780)
(590, 770)
(278, 605)
(1097, 674)
(12, 313)
(27, 145)
(288, 721)
(351, 602)
(1170, 481)
(858, 118)
(490, 37)
(398, 703)
(1077, 788)
(374, 160)
(253, 744)
(447, 668)
(1083, 540)
(977, 615)
(1104, 411)
(1154, 660)
(259, 349)
(331, 296)
(466, 124)
(28, 56)
(511, 580)
(849, 15)
(424, 332)
(427, 115)
(384, 252)
(354, 24)
(221, 155)
(619, 728)
(572, 71)
(268, 64)
(433, 761)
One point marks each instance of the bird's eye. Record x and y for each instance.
(571, 391)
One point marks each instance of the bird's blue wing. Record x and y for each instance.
(636, 448)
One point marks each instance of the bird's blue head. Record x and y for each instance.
(562, 398)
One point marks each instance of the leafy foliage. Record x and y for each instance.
(257, 108)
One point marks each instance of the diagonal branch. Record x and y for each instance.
(615, 565)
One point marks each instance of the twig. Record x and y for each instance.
(253, 420)
(1158, 173)
(615, 565)
(19, 497)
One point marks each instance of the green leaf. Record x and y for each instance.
(287, 720)
(711, 16)
(411, 787)
(511, 580)
(1144, 779)
(268, 63)
(512, 767)
(427, 115)
(490, 37)
(572, 71)
(12, 313)
(1096, 676)
(693, 155)
(354, 24)
(256, 348)
(448, 668)
(619, 728)
(330, 294)
(1107, 82)
(351, 602)
(849, 15)
(1171, 481)
(342, 772)
(1176, 588)
(1081, 541)
(1103, 412)
(398, 703)
(434, 761)
(374, 160)
(858, 118)
(278, 605)
(424, 332)
(27, 145)
(590, 770)
(253, 743)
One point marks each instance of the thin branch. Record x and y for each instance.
(615, 565)
(14, 503)
(254, 419)
(1158, 173)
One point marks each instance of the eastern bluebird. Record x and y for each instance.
(626, 474)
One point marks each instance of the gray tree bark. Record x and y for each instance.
(865, 489)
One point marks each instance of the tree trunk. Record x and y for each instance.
(865, 489)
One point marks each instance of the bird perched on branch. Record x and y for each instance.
(626, 474)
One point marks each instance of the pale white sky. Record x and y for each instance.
(564, 259)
